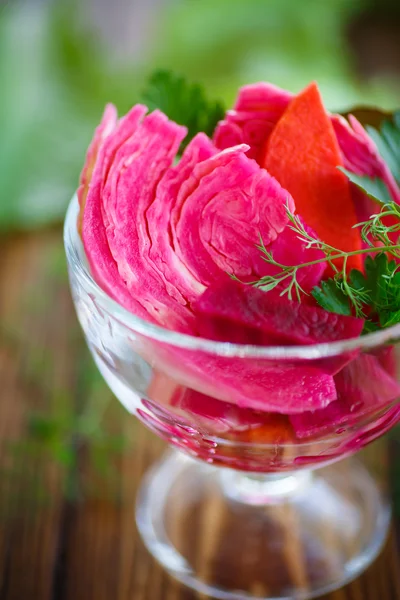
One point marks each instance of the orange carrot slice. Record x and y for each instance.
(303, 154)
(276, 430)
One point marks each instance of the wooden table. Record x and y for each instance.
(71, 458)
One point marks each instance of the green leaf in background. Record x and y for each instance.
(183, 102)
(388, 143)
(375, 188)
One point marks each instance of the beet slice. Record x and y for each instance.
(212, 415)
(137, 168)
(265, 385)
(179, 281)
(107, 125)
(239, 424)
(303, 154)
(237, 313)
(273, 386)
(226, 206)
(102, 264)
(255, 114)
(243, 314)
(363, 386)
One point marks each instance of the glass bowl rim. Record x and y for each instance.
(77, 262)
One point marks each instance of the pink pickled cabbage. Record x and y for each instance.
(156, 235)
(211, 415)
(256, 112)
(237, 313)
(363, 387)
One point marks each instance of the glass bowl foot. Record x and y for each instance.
(236, 536)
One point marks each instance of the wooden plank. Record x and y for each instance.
(35, 333)
(13, 263)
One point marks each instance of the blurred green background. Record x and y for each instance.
(61, 61)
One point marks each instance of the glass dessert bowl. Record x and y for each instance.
(251, 505)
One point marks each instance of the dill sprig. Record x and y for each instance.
(373, 231)
(373, 295)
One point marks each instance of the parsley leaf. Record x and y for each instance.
(183, 102)
(378, 274)
(391, 319)
(332, 298)
(377, 291)
(358, 280)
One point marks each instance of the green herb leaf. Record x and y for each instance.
(183, 102)
(375, 188)
(357, 280)
(388, 143)
(332, 298)
(370, 327)
(377, 293)
(383, 280)
(389, 319)
(376, 271)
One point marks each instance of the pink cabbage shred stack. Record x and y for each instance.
(163, 236)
